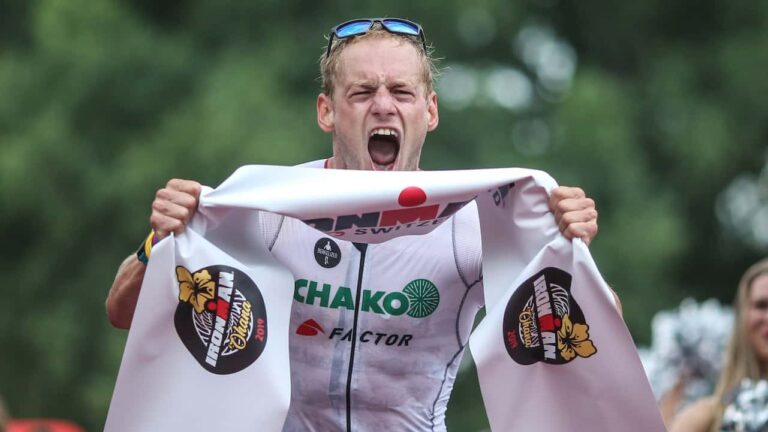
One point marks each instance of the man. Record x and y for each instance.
(377, 331)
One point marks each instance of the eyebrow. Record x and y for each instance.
(368, 84)
(403, 83)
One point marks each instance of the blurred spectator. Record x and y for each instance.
(685, 357)
(740, 401)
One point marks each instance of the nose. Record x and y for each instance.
(383, 103)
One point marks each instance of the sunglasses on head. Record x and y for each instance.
(361, 26)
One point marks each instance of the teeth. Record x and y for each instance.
(384, 131)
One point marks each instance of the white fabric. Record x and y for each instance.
(161, 386)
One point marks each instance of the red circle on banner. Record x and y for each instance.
(412, 196)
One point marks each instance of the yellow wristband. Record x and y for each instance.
(145, 249)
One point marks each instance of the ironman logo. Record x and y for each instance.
(543, 322)
(221, 318)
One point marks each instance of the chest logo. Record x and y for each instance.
(327, 253)
(309, 327)
(418, 299)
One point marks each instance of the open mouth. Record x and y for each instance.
(383, 147)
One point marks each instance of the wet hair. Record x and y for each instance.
(330, 65)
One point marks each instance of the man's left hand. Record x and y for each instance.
(575, 213)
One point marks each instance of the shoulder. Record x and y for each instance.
(698, 416)
(466, 224)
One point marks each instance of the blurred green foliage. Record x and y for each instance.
(103, 101)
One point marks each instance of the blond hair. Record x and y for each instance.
(330, 65)
(741, 361)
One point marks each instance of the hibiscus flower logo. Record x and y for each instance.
(573, 340)
(195, 289)
(543, 322)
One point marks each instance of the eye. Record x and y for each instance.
(360, 92)
(403, 93)
(760, 305)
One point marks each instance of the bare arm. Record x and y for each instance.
(173, 207)
(696, 418)
(122, 298)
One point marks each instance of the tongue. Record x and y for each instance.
(382, 151)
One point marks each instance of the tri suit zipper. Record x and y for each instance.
(362, 247)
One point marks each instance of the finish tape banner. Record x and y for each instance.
(208, 346)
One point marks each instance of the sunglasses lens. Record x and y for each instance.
(353, 28)
(398, 26)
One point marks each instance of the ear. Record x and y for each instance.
(432, 117)
(325, 113)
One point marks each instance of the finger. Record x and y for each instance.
(565, 192)
(564, 199)
(586, 231)
(186, 186)
(576, 216)
(173, 210)
(578, 207)
(573, 204)
(180, 198)
(174, 206)
(168, 216)
(164, 225)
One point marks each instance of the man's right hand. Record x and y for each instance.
(174, 206)
(172, 209)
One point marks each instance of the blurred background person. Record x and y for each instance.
(740, 401)
(684, 360)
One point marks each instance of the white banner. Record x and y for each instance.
(208, 347)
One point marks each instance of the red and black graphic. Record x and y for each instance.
(309, 327)
(327, 253)
(221, 318)
(412, 196)
(412, 213)
(543, 322)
